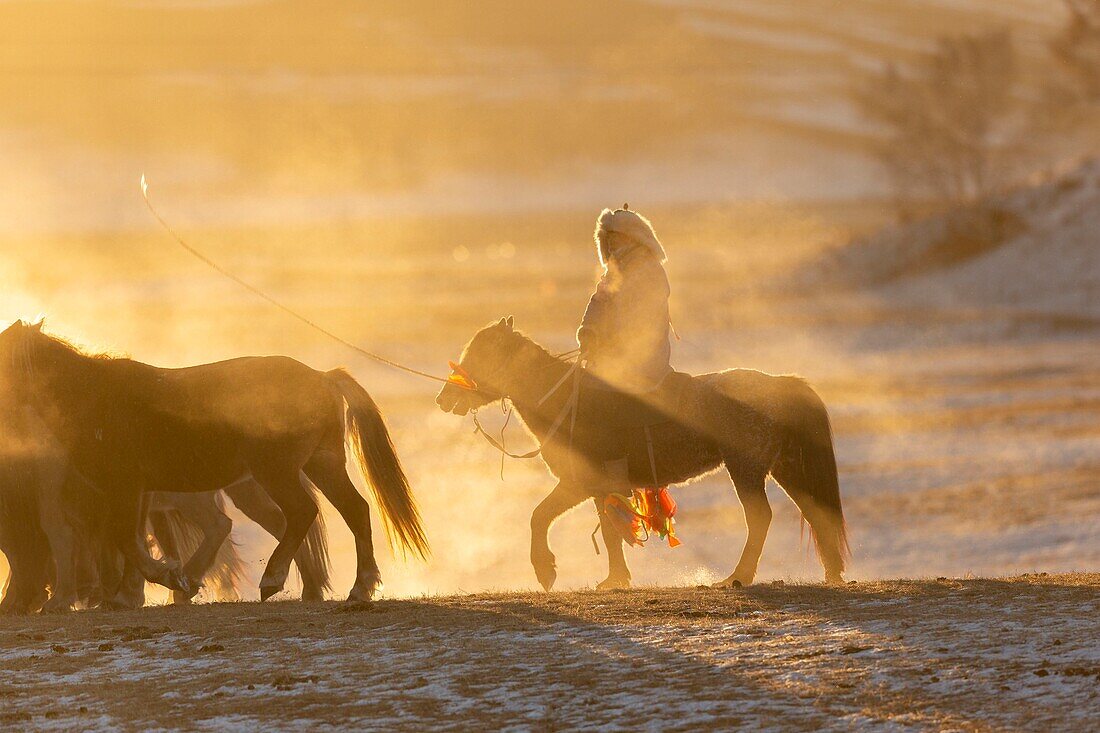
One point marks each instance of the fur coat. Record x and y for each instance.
(625, 330)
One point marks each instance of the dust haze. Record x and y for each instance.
(405, 172)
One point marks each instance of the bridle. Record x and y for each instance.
(462, 379)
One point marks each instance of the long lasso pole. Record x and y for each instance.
(261, 294)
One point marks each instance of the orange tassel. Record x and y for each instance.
(460, 377)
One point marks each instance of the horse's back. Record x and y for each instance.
(251, 394)
(242, 368)
(784, 398)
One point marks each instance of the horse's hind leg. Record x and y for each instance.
(284, 485)
(823, 525)
(127, 529)
(758, 517)
(327, 470)
(251, 500)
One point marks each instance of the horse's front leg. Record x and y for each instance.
(128, 532)
(563, 498)
(59, 534)
(201, 510)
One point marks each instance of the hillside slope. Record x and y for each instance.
(1036, 249)
(257, 110)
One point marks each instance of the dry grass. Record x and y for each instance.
(1016, 653)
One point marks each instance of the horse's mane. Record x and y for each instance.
(529, 341)
(507, 337)
(40, 337)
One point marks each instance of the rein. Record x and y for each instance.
(568, 410)
(273, 301)
(458, 376)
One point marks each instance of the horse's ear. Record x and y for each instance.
(38, 326)
(510, 322)
(505, 323)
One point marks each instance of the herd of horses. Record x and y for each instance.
(113, 472)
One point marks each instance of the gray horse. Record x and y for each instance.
(755, 424)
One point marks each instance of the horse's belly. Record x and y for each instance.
(192, 477)
(168, 455)
(670, 454)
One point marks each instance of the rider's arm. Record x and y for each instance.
(594, 323)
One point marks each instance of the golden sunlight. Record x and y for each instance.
(365, 400)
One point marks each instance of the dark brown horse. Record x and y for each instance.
(51, 530)
(755, 424)
(131, 427)
(22, 541)
(190, 529)
(193, 529)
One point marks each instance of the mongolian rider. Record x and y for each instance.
(624, 335)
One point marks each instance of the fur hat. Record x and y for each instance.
(631, 225)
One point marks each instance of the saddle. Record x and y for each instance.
(630, 410)
(613, 424)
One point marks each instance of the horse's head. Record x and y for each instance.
(477, 378)
(18, 339)
(16, 342)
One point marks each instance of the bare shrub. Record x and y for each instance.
(950, 124)
(1077, 48)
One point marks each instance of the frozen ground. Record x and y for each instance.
(947, 654)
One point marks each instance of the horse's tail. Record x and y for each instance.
(807, 469)
(314, 554)
(378, 460)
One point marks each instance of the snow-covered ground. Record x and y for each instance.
(1013, 654)
(1033, 250)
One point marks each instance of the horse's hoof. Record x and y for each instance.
(732, 582)
(173, 579)
(312, 594)
(612, 583)
(546, 572)
(194, 585)
(365, 592)
(117, 604)
(834, 579)
(358, 596)
(179, 598)
(90, 597)
(268, 591)
(546, 578)
(55, 608)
